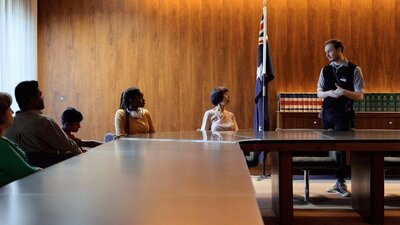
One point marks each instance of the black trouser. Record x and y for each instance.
(338, 120)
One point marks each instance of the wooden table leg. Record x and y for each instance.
(367, 185)
(282, 186)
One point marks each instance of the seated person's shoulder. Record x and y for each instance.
(209, 112)
(230, 113)
(45, 119)
(120, 113)
(3, 143)
(30, 123)
(145, 111)
(33, 117)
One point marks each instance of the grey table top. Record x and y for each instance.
(132, 181)
(164, 178)
(322, 140)
(321, 135)
(280, 135)
(193, 136)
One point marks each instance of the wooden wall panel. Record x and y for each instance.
(177, 50)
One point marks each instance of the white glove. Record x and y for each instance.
(325, 94)
(339, 91)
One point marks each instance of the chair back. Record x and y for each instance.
(108, 137)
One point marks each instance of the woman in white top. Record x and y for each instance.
(218, 118)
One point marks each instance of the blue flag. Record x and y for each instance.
(264, 70)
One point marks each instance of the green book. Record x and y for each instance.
(372, 105)
(385, 102)
(362, 105)
(378, 102)
(397, 102)
(367, 102)
(356, 106)
(391, 102)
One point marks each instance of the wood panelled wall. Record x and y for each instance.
(175, 51)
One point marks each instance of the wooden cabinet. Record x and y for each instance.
(293, 120)
(364, 120)
(378, 120)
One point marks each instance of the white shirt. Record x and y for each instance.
(358, 77)
(217, 120)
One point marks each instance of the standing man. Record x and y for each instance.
(340, 83)
(43, 141)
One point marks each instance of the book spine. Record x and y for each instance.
(378, 102)
(392, 103)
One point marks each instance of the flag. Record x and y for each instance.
(264, 70)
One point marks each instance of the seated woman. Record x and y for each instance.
(131, 117)
(13, 161)
(219, 119)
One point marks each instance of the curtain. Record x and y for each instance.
(18, 44)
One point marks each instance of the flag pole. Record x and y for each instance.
(264, 87)
(264, 63)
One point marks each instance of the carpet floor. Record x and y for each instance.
(325, 208)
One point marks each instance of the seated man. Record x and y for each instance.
(43, 141)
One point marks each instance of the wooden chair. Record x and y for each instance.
(108, 137)
(392, 160)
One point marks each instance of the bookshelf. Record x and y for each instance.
(375, 111)
(309, 102)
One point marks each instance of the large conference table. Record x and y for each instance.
(367, 148)
(189, 178)
(141, 182)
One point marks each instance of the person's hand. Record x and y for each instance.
(339, 91)
(332, 94)
(325, 94)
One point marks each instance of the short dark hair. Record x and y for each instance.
(5, 103)
(217, 95)
(129, 93)
(336, 43)
(25, 91)
(71, 115)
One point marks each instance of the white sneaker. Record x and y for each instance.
(339, 188)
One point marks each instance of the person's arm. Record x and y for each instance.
(13, 164)
(206, 123)
(320, 88)
(119, 122)
(359, 85)
(236, 128)
(353, 95)
(90, 143)
(358, 82)
(58, 140)
(77, 140)
(325, 94)
(152, 129)
(84, 143)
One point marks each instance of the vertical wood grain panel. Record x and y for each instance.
(177, 50)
